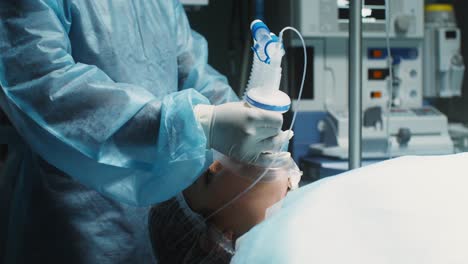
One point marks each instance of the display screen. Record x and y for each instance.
(374, 2)
(372, 11)
(295, 66)
(450, 34)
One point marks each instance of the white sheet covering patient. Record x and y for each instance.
(405, 210)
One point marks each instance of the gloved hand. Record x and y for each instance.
(240, 131)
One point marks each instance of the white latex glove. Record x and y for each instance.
(240, 131)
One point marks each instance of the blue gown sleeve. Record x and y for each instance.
(194, 70)
(117, 138)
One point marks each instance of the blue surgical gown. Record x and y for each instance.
(101, 91)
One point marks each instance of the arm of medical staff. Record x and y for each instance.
(194, 70)
(114, 137)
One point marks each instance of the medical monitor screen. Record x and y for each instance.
(373, 11)
(295, 66)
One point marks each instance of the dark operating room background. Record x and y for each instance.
(225, 24)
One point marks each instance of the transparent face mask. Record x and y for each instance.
(267, 167)
(188, 237)
(283, 168)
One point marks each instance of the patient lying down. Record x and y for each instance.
(405, 210)
(179, 230)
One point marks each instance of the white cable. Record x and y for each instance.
(290, 128)
(390, 73)
(303, 73)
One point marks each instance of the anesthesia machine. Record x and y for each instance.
(409, 53)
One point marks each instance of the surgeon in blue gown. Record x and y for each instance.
(112, 107)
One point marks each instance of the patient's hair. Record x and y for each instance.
(179, 235)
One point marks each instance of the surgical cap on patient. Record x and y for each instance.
(179, 235)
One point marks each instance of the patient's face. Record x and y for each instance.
(188, 239)
(249, 209)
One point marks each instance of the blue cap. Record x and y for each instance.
(256, 26)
